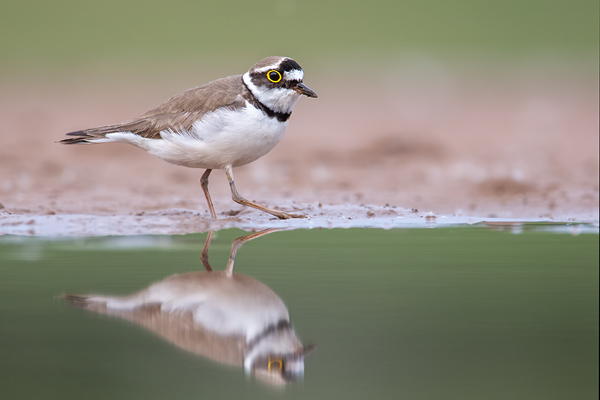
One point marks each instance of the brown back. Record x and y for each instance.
(181, 111)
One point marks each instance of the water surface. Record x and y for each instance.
(452, 313)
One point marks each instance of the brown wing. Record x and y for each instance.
(177, 114)
(177, 328)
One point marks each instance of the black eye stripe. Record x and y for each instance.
(291, 84)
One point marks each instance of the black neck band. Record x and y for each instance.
(281, 117)
(280, 326)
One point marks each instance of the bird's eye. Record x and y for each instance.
(274, 76)
(275, 364)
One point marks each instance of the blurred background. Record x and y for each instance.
(483, 108)
(474, 107)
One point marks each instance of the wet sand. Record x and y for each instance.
(425, 145)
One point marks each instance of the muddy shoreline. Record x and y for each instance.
(487, 146)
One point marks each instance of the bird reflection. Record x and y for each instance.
(225, 316)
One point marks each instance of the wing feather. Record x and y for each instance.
(176, 114)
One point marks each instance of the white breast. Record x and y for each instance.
(221, 303)
(227, 305)
(221, 138)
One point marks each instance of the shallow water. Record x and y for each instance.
(448, 313)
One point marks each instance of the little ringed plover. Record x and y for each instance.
(224, 124)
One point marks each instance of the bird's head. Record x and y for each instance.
(277, 83)
(278, 369)
(276, 357)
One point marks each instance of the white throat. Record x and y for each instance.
(279, 100)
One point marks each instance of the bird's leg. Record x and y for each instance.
(204, 184)
(204, 256)
(240, 200)
(237, 243)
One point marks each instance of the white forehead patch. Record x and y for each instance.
(267, 68)
(294, 75)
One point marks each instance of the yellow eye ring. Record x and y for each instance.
(277, 74)
(278, 362)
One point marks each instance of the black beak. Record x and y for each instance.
(305, 90)
(308, 349)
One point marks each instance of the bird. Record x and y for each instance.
(228, 317)
(223, 124)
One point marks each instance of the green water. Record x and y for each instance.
(452, 313)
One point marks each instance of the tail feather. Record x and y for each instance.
(76, 300)
(88, 135)
(142, 127)
(77, 140)
(87, 302)
(82, 137)
(77, 133)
